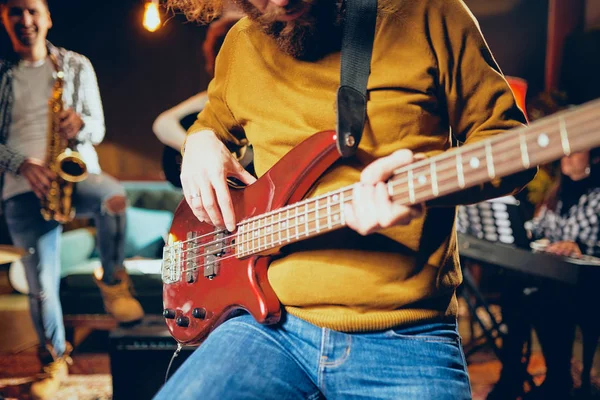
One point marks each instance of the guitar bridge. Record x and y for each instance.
(171, 263)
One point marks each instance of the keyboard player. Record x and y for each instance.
(566, 225)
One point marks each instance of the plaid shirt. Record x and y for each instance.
(80, 93)
(579, 224)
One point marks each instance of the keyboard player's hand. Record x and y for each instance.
(564, 248)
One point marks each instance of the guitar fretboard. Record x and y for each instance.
(520, 149)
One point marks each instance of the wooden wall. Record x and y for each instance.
(516, 34)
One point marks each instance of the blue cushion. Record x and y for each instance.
(146, 230)
(77, 247)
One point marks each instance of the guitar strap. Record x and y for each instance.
(358, 34)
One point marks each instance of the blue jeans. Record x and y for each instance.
(242, 359)
(41, 239)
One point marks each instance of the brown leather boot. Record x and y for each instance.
(54, 373)
(118, 300)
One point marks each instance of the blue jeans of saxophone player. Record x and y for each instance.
(41, 240)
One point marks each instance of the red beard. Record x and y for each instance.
(313, 35)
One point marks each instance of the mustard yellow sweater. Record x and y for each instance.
(431, 72)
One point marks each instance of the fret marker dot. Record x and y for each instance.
(268, 229)
(283, 224)
(543, 140)
(301, 219)
(422, 179)
(474, 163)
(335, 197)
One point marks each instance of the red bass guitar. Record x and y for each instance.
(210, 273)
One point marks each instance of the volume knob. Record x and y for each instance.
(169, 313)
(199, 313)
(184, 322)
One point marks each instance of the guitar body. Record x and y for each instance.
(213, 282)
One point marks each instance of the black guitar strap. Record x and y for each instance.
(357, 45)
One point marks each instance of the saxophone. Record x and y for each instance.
(67, 164)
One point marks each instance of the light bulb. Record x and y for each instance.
(151, 16)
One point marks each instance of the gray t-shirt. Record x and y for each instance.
(28, 132)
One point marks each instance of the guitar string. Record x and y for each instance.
(419, 190)
(451, 156)
(288, 218)
(444, 159)
(440, 163)
(291, 233)
(215, 262)
(287, 229)
(305, 233)
(276, 232)
(284, 230)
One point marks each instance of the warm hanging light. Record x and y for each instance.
(151, 16)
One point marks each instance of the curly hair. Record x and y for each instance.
(203, 11)
(2, 2)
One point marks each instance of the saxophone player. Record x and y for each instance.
(27, 78)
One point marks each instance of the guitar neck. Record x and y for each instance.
(520, 149)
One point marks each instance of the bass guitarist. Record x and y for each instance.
(370, 311)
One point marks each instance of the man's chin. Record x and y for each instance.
(27, 41)
(307, 33)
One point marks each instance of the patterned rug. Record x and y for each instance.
(76, 387)
(27, 364)
(89, 377)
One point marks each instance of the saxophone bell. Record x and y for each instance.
(71, 167)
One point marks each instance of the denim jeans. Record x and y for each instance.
(294, 359)
(41, 239)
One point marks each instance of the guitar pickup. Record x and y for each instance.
(192, 252)
(212, 253)
(211, 266)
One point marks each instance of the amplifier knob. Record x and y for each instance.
(199, 313)
(184, 322)
(169, 313)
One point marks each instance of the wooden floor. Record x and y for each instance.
(18, 357)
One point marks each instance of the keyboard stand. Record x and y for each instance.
(490, 328)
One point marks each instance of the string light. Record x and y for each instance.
(151, 16)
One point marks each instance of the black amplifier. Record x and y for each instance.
(139, 357)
